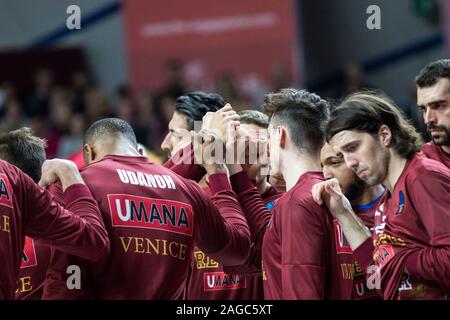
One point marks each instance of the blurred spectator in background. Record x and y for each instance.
(38, 100)
(60, 112)
(60, 107)
(13, 117)
(7, 92)
(146, 125)
(39, 126)
(353, 81)
(173, 87)
(227, 86)
(167, 106)
(139, 112)
(278, 77)
(163, 113)
(72, 141)
(125, 108)
(174, 79)
(81, 84)
(96, 105)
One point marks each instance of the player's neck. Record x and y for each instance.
(123, 148)
(294, 166)
(370, 194)
(395, 169)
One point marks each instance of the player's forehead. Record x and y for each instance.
(251, 126)
(439, 91)
(254, 129)
(345, 137)
(178, 122)
(327, 152)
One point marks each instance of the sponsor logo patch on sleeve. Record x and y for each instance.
(29, 258)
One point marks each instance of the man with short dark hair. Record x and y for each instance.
(27, 152)
(24, 150)
(433, 99)
(189, 108)
(411, 243)
(208, 280)
(298, 242)
(153, 217)
(29, 210)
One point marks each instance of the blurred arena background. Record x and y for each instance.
(132, 58)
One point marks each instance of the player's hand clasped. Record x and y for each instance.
(219, 122)
(330, 193)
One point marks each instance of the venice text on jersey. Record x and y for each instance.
(161, 247)
(4, 224)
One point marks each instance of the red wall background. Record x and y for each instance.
(245, 37)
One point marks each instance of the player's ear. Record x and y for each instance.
(385, 135)
(88, 154)
(282, 135)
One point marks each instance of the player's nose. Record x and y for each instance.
(351, 163)
(327, 174)
(166, 145)
(429, 117)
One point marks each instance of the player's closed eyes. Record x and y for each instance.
(352, 147)
(441, 105)
(336, 163)
(436, 105)
(177, 135)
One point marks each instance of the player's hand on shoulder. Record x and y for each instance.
(60, 169)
